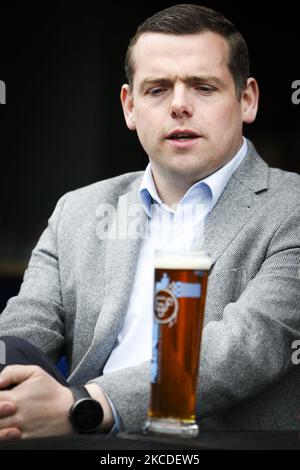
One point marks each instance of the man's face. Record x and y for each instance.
(184, 105)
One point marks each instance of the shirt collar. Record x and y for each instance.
(210, 187)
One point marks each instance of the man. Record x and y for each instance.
(89, 296)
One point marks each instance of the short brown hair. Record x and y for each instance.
(192, 19)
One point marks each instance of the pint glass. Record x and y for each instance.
(179, 301)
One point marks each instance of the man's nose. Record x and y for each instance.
(181, 106)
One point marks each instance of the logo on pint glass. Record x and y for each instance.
(166, 307)
(168, 292)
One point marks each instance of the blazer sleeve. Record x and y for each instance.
(36, 313)
(248, 351)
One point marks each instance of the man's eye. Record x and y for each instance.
(205, 89)
(155, 91)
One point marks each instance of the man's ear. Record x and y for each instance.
(128, 106)
(249, 101)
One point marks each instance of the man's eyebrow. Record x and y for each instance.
(155, 81)
(203, 79)
(190, 80)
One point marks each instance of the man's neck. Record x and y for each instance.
(171, 192)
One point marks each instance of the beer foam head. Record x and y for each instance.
(182, 260)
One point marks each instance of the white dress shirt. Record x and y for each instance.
(183, 227)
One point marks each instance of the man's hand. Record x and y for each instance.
(36, 406)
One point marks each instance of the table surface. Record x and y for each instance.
(289, 440)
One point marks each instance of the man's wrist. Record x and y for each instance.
(96, 392)
(66, 402)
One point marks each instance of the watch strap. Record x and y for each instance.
(79, 392)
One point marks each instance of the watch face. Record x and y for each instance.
(86, 415)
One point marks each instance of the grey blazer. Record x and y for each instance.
(77, 287)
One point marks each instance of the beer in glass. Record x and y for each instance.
(179, 302)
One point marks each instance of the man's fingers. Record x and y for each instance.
(10, 433)
(7, 409)
(4, 381)
(16, 374)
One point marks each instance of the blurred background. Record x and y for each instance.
(62, 126)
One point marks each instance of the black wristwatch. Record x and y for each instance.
(86, 414)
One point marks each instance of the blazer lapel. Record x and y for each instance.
(237, 204)
(121, 255)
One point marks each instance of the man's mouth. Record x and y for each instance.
(182, 138)
(179, 134)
